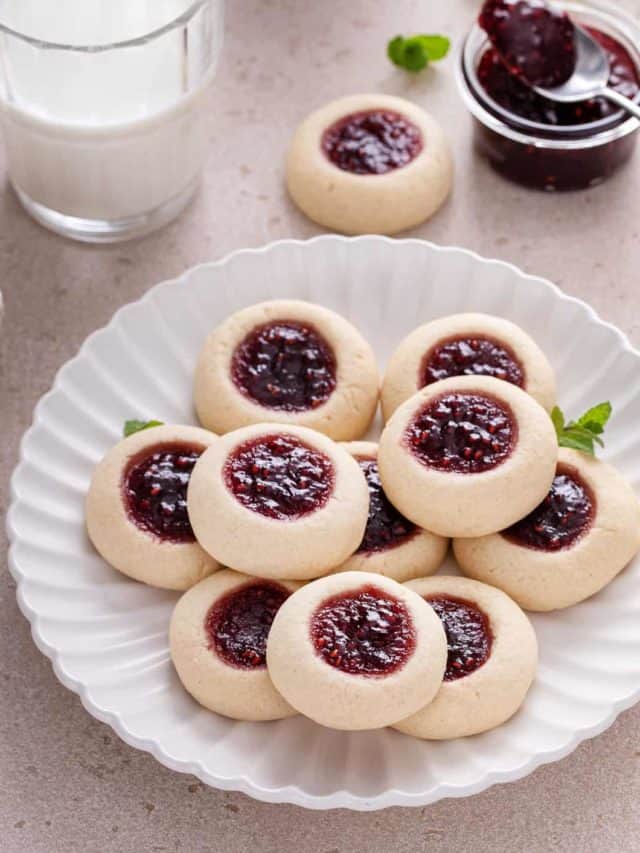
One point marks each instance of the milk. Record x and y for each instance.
(113, 133)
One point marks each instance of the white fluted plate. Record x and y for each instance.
(107, 636)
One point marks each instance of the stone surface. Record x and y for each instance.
(67, 783)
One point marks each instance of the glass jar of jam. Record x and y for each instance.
(538, 143)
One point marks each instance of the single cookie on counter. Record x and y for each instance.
(392, 545)
(290, 362)
(369, 164)
(467, 456)
(356, 651)
(136, 507)
(582, 534)
(491, 661)
(472, 345)
(279, 502)
(218, 638)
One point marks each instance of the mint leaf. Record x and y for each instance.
(131, 427)
(597, 415)
(395, 50)
(558, 420)
(436, 47)
(414, 56)
(580, 434)
(593, 427)
(415, 52)
(582, 444)
(584, 433)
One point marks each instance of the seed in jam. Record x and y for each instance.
(462, 432)
(386, 527)
(513, 95)
(279, 476)
(372, 142)
(562, 518)
(286, 366)
(471, 356)
(364, 632)
(534, 41)
(155, 490)
(238, 624)
(468, 633)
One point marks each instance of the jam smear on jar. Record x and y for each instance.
(562, 518)
(238, 624)
(468, 633)
(364, 632)
(465, 433)
(471, 356)
(386, 526)
(155, 490)
(372, 142)
(279, 476)
(286, 366)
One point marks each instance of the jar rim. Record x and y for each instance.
(613, 21)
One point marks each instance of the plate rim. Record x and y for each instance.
(292, 794)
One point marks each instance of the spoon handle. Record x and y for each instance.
(622, 101)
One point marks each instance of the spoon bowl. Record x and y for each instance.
(590, 77)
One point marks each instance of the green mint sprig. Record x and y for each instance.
(130, 427)
(415, 52)
(584, 433)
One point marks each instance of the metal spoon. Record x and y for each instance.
(590, 77)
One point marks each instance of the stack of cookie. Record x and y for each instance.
(327, 604)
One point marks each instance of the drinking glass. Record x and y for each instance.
(103, 108)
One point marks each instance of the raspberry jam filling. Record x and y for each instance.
(238, 624)
(279, 476)
(372, 142)
(513, 95)
(534, 41)
(468, 635)
(386, 527)
(471, 356)
(155, 490)
(562, 518)
(364, 632)
(286, 366)
(464, 433)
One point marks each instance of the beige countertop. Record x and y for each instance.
(66, 781)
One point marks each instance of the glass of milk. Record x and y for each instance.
(103, 109)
